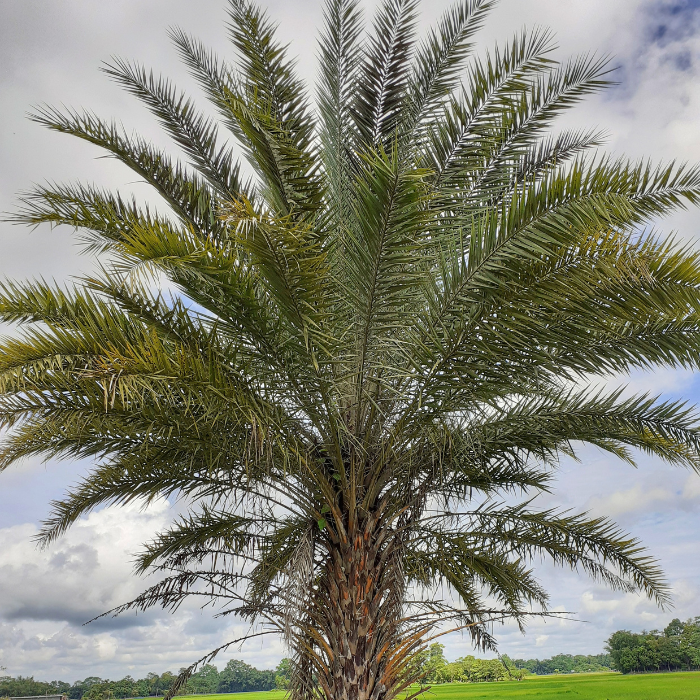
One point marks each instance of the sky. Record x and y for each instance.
(50, 52)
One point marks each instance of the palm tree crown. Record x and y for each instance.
(392, 326)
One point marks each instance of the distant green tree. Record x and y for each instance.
(428, 662)
(141, 688)
(469, 669)
(100, 691)
(206, 680)
(514, 673)
(674, 629)
(482, 670)
(166, 681)
(283, 674)
(237, 676)
(123, 688)
(240, 677)
(690, 642)
(676, 648)
(622, 646)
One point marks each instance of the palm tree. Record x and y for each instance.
(349, 363)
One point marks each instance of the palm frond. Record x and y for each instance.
(440, 58)
(186, 194)
(195, 133)
(385, 73)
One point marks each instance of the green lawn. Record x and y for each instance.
(267, 695)
(603, 686)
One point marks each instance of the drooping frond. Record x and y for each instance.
(186, 194)
(192, 131)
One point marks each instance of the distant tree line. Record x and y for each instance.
(565, 663)
(436, 669)
(676, 648)
(237, 676)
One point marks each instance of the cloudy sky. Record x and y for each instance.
(50, 51)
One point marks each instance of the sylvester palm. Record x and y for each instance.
(358, 355)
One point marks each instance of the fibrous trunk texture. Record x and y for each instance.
(357, 646)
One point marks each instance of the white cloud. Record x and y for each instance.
(691, 490)
(163, 644)
(656, 381)
(634, 499)
(46, 596)
(655, 491)
(83, 574)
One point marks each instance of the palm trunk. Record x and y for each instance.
(358, 649)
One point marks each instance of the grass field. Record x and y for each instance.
(603, 686)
